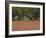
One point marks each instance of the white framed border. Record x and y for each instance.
(25, 32)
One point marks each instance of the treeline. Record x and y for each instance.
(25, 12)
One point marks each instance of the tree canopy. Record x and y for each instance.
(26, 11)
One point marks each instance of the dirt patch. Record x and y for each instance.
(25, 25)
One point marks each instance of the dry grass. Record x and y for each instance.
(25, 25)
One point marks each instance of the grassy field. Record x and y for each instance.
(25, 25)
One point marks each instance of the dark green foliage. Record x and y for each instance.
(25, 13)
(36, 13)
